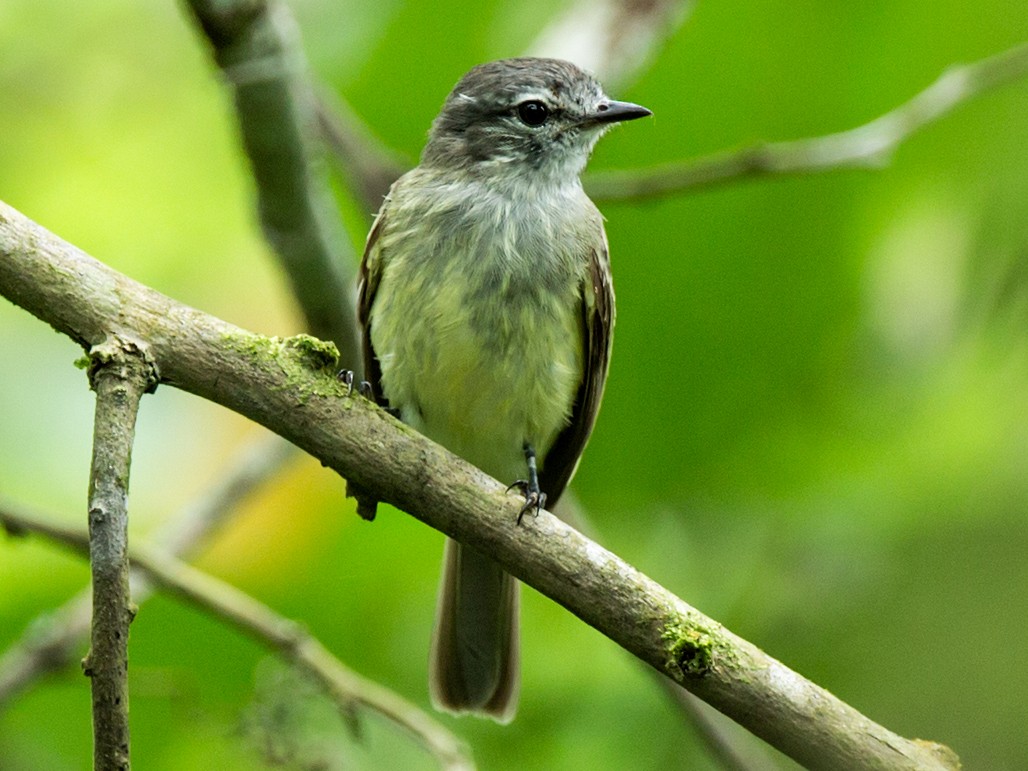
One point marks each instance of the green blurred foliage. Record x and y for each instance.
(815, 428)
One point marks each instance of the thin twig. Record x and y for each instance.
(53, 641)
(868, 146)
(290, 387)
(120, 372)
(368, 165)
(227, 603)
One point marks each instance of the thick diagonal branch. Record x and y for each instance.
(120, 372)
(290, 387)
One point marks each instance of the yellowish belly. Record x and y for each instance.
(479, 375)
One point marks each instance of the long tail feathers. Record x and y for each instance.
(475, 660)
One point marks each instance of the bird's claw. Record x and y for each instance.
(348, 378)
(535, 500)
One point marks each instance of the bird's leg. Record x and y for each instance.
(534, 497)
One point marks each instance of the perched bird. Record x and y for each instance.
(487, 313)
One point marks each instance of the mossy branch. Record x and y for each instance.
(290, 387)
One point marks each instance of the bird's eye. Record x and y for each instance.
(533, 112)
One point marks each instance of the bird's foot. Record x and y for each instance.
(535, 499)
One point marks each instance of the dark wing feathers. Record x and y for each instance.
(598, 321)
(370, 271)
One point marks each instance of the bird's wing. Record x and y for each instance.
(370, 272)
(598, 333)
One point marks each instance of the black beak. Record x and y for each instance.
(615, 112)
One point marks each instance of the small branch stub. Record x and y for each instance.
(124, 360)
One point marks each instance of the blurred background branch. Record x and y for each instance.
(256, 46)
(54, 641)
(868, 146)
(369, 166)
(228, 604)
(616, 40)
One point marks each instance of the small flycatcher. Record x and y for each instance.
(487, 312)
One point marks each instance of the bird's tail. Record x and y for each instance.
(475, 660)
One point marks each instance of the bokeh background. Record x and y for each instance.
(816, 426)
